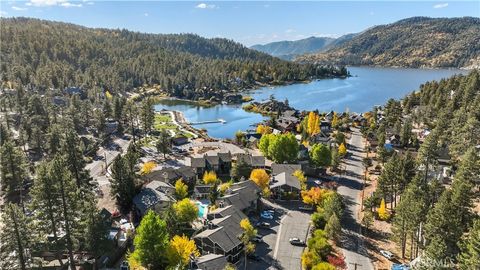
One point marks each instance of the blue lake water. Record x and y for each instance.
(367, 87)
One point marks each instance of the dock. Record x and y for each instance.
(220, 120)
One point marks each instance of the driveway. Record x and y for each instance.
(350, 187)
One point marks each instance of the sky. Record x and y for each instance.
(253, 22)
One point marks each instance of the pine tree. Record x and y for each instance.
(147, 115)
(16, 239)
(47, 204)
(469, 257)
(70, 203)
(122, 182)
(410, 213)
(163, 143)
(74, 158)
(13, 169)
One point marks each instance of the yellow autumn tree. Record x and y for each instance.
(316, 126)
(263, 129)
(181, 189)
(301, 178)
(335, 120)
(311, 123)
(260, 177)
(210, 178)
(382, 211)
(148, 167)
(108, 95)
(224, 187)
(314, 196)
(342, 150)
(180, 249)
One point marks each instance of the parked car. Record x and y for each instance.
(257, 239)
(263, 224)
(266, 215)
(253, 256)
(387, 254)
(296, 241)
(317, 182)
(124, 266)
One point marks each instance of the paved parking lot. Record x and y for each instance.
(275, 251)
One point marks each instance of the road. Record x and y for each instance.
(97, 167)
(350, 187)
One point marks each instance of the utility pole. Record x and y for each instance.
(355, 265)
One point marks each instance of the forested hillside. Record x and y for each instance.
(413, 42)
(288, 50)
(52, 54)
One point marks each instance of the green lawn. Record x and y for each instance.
(164, 121)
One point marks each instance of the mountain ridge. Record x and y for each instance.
(289, 49)
(412, 42)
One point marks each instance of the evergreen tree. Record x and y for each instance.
(13, 168)
(147, 115)
(16, 239)
(163, 143)
(74, 158)
(70, 204)
(122, 182)
(469, 257)
(47, 204)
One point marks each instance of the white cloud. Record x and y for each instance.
(3, 13)
(289, 30)
(443, 5)
(44, 3)
(372, 13)
(205, 6)
(145, 14)
(18, 8)
(90, 3)
(69, 5)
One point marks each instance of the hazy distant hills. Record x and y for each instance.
(290, 49)
(412, 42)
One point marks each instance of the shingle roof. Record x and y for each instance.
(202, 189)
(242, 194)
(279, 168)
(148, 197)
(212, 160)
(225, 240)
(283, 179)
(211, 262)
(195, 162)
(229, 223)
(228, 210)
(225, 157)
(255, 161)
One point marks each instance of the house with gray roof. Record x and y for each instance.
(220, 241)
(210, 262)
(243, 195)
(256, 162)
(157, 196)
(171, 175)
(283, 183)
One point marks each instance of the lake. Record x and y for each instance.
(367, 87)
